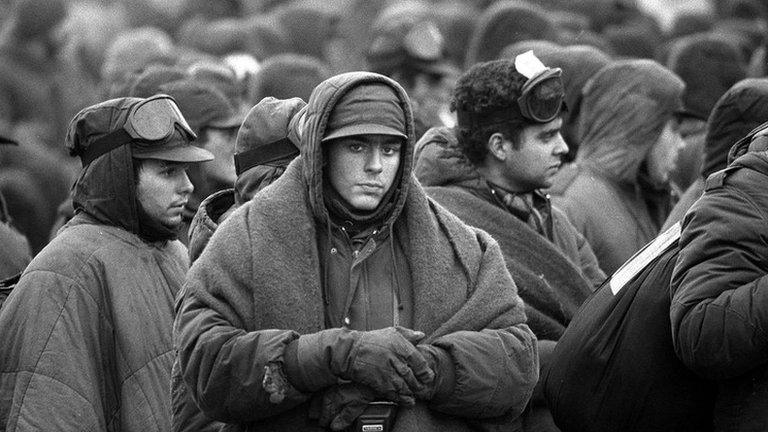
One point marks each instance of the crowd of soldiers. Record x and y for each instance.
(309, 215)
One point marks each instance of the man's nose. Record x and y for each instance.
(185, 185)
(373, 160)
(561, 147)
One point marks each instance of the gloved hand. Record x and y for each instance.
(344, 403)
(385, 360)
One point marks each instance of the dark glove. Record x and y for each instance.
(343, 404)
(385, 360)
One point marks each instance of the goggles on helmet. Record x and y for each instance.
(542, 96)
(153, 119)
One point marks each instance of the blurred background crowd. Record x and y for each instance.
(219, 58)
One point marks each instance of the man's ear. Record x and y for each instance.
(497, 146)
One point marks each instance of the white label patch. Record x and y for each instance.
(643, 257)
(529, 65)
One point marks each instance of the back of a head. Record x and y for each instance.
(263, 148)
(633, 41)
(308, 27)
(218, 37)
(148, 82)
(643, 96)
(134, 49)
(32, 19)
(220, 76)
(504, 23)
(202, 105)
(457, 21)
(287, 76)
(691, 23)
(741, 109)
(211, 10)
(709, 65)
(407, 40)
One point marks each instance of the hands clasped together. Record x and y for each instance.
(354, 368)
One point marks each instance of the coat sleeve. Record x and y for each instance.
(719, 309)
(495, 365)
(221, 362)
(56, 357)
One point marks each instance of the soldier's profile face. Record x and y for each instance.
(163, 189)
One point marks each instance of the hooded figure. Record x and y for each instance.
(307, 268)
(709, 65)
(718, 309)
(742, 108)
(87, 330)
(617, 195)
(266, 124)
(264, 148)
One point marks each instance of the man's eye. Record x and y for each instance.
(390, 150)
(356, 147)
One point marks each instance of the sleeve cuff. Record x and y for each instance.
(445, 372)
(304, 366)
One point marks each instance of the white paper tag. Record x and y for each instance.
(643, 257)
(529, 65)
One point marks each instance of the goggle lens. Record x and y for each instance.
(546, 100)
(542, 98)
(155, 119)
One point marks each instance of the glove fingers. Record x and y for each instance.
(411, 336)
(405, 372)
(418, 366)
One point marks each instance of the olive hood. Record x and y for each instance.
(624, 110)
(322, 102)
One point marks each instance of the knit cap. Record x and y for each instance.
(367, 109)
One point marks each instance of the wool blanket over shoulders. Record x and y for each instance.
(258, 285)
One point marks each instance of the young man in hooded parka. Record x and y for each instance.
(342, 284)
(86, 333)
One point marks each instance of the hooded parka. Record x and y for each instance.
(258, 285)
(606, 194)
(86, 334)
(719, 292)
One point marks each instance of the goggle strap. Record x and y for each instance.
(263, 155)
(471, 120)
(104, 145)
